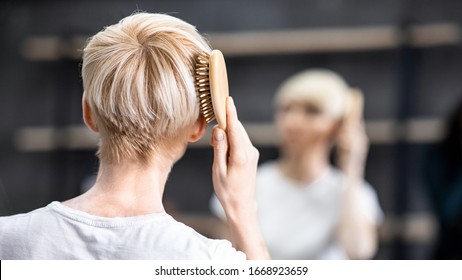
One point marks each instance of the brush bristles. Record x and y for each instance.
(203, 87)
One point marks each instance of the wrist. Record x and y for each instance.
(242, 214)
(246, 236)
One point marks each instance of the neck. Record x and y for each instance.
(125, 189)
(305, 165)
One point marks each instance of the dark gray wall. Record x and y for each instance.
(48, 93)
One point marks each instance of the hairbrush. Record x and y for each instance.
(212, 86)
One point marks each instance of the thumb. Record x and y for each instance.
(220, 152)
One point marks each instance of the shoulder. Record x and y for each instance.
(193, 245)
(18, 219)
(18, 230)
(154, 236)
(16, 226)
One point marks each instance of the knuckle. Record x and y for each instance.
(255, 153)
(244, 157)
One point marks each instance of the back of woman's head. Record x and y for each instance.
(138, 78)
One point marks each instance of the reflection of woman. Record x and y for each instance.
(307, 208)
(140, 97)
(443, 175)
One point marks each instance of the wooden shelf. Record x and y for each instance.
(279, 42)
(78, 137)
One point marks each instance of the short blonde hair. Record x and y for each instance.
(320, 87)
(138, 78)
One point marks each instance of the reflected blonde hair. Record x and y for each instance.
(139, 83)
(322, 88)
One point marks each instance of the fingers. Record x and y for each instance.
(211, 138)
(236, 132)
(231, 115)
(220, 152)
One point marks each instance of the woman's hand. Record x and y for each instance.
(234, 166)
(353, 146)
(234, 175)
(356, 233)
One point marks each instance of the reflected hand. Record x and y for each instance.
(353, 146)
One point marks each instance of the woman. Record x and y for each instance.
(309, 209)
(139, 96)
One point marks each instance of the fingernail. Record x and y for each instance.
(219, 135)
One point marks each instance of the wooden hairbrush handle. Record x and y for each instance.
(218, 86)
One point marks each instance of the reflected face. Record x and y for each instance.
(300, 125)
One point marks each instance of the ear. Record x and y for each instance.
(198, 130)
(87, 116)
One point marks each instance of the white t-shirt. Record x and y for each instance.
(299, 221)
(59, 232)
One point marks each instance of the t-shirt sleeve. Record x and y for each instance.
(12, 237)
(216, 208)
(225, 251)
(369, 204)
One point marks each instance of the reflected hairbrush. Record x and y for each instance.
(212, 86)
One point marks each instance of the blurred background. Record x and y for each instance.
(405, 55)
